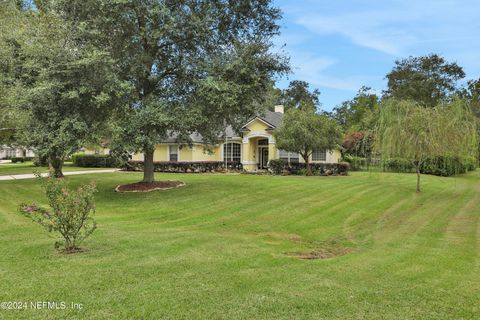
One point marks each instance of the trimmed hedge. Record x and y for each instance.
(93, 160)
(20, 159)
(279, 166)
(397, 165)
(186, 167)
(438, 166)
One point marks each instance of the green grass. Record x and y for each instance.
(215, 249)
(8, 169)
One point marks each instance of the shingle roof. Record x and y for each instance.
(272, 118)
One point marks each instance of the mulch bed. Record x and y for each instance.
(149, 186)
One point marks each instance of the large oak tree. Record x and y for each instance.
(193, 65)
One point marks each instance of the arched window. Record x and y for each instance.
(232, 152)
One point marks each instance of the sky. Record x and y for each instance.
(338, 46)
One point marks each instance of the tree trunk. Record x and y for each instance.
(55, 165)
(418, 178)
(148, 169)
(307, 164)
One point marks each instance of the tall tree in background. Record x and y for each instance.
(410, 131)
(428, 80)
(359, 113)
(194, 65)
(304, 131)
(299, 95)
(12, 26)
(63, 84)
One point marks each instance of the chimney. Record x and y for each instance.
(279, 108)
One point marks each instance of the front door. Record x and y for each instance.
(263, 157)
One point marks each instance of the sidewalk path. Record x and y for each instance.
(72, 173)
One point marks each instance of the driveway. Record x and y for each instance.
(72, 173)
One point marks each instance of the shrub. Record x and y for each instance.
(397, 165)
(70, 212)
(356, 163)
(186, 167)
(277, 166)
(444, 166)
(447, 166)
(20, 159)
(93, 160)
(320, 168)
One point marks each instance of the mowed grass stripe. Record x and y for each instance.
(216, 249)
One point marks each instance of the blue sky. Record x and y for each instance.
(338, 46)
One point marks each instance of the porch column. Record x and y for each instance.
(248, 155)
(272, 150)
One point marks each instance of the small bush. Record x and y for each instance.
(93, 160)
(70, 212)
(277, 166)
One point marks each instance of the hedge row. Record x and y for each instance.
(186, 167)
(438, 166)
(93, 160)
(20, 159)
(279, 166)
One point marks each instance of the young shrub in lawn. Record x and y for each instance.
(70, 213)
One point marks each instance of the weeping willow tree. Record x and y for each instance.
(415, 133)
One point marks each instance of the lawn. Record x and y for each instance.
(28, 167)
(216, 249)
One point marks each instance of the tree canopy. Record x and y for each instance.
(303, 131)
(359, 113)
(299, 95)
(62, 83)
(193, 66)
(428, 80)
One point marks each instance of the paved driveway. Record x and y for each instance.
(72, 173)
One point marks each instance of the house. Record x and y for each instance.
(253, 147)
(7, 152)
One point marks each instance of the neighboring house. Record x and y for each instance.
(11, 152)
(253, 147)
(95, 150)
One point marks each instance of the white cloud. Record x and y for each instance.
(313, 69)
(398, 27)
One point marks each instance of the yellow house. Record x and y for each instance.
(253, 147)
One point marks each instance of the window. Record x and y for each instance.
(290, 157)
(173, 152)
(294, 157)
(232, 152)
(263, 142)
(319, 155)
(284, 155)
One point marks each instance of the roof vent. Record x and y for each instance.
(279, 108)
